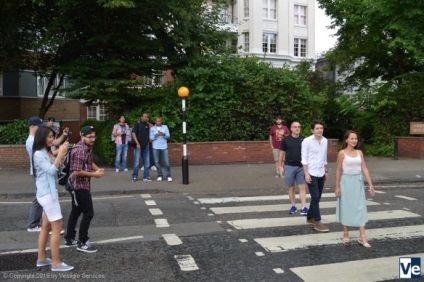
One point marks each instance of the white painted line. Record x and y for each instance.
(186, 262)
(219, 221)
(406, 209)
(202, 208)
(64, 201)
(259, 254)
(196, 202)
(161, 222)
(278, 270)
(172, 239)
(243, 240)
(285, 243)
(145, 196)
(229, 230)
(387, 204)
(210, 214)
(150, 203)
(155, 211)
(118, 240)
(291, 221)
(405, 198)
(253, 199)
(190, 198)
(379, 192)
(379, 269)
(269, 208)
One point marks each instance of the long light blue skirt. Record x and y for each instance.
(351, 208)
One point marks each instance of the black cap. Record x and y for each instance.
(86, 130)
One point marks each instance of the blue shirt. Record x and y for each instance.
(160, 142)
(46, 172)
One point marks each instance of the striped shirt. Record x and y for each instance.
(81, 159)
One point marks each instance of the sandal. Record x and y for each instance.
(346, 239)
(361, 242)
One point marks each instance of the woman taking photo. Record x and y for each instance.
(351, 209)
(45, 167)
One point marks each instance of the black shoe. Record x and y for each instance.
(86, 248)
(71, 242)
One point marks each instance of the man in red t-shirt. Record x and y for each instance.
(276, 135)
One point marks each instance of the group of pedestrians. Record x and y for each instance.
(148, 141)
(305, 163)
(45, 214)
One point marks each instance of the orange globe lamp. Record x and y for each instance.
(183, 92)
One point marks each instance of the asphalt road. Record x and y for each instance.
(223, 236)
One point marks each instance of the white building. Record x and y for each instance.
(279, 31)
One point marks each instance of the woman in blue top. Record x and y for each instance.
(45, 167)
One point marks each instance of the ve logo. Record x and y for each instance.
(410, 268)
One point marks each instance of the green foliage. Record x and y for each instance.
(14, 133)
(380, 150)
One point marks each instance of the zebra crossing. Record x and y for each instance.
(256, 211)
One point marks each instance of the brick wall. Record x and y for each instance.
(411, 147)
(15, 156)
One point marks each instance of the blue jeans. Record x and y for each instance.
(121, 150)
(145, 152)
(162, 155)
(315, 190)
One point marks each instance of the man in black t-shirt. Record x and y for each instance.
(291, 149)
(140, 134)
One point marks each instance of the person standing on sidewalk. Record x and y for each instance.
(119, 132)
(140, 135)
(159, 134)
(314, 161)
(276, 135)
(45, 168)
(290, 152)
(351, 208)
(82, 169)
(36, 210)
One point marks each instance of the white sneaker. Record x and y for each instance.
(126, 170)
(169, 179)
(142, 168)
(153, 168)
(117, 170)
(159, 178)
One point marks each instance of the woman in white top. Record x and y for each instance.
(45, 167)
(351, 209)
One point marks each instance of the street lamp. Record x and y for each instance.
(183, 93)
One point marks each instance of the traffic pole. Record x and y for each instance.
(183, 93)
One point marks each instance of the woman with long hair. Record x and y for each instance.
(351, 209)
(45, 167)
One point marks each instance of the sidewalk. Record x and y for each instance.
(213, 179)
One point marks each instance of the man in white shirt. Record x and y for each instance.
(314, 161)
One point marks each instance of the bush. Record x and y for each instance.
(379, 150)
(14, 133)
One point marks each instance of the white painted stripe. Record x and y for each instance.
(278, 270)
(405, 198)
(291, 221)
(285, 243)
(243, 240)
(186, 262)
(145, 196)
(379, 192)
(150, 202)
(190, 198)
(155, 211)
(253, 199)
(172, 239)
(161, 222)
(259, 254)
(269, 208)
(118, 240)
(64, 201)
(385, 268)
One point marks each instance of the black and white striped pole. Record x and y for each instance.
(183, 93)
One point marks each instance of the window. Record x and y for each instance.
(269, 43)
(269, 9)
(299, 47)
(299, 15)
(246, 8)
(43, 81)
(156, 80)
(246, 45)
(97, 112)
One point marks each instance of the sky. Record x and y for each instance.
(323, 39)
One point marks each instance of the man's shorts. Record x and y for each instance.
(293, 175)
(51, 207)
(276, 153)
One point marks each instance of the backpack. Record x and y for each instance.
(63, 174)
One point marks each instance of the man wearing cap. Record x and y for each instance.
(276, 135)
(82, 169)
(36, 210)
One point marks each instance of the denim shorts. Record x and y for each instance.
(293, 175)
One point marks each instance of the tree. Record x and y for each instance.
(106, 47)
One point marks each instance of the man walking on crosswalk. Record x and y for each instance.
(314, 161)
